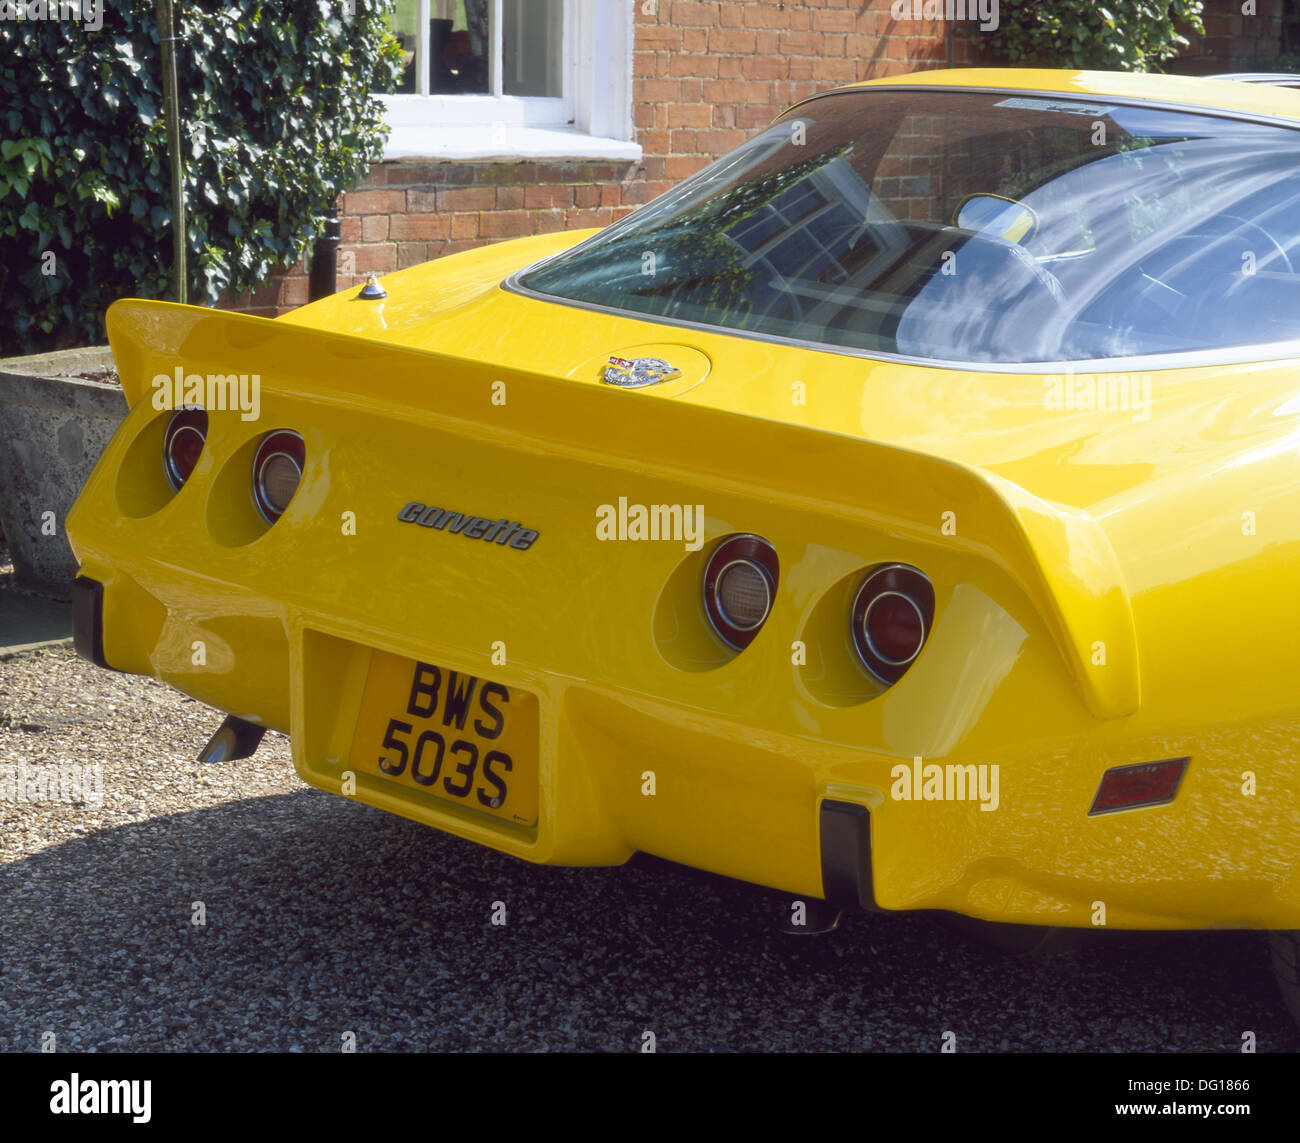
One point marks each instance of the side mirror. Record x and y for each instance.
(997, 217)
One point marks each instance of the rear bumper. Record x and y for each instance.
(805, 815)
(843, 828)
(88, 620)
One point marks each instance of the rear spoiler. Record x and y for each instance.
(1060, 556)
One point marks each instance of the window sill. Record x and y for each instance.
(514, 144)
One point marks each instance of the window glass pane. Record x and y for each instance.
(403, 20)
(459, 47)
(970, 227)
(532, 41)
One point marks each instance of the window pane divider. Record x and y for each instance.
(422, 17)
(496, 52)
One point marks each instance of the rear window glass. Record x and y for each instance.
(970, 227)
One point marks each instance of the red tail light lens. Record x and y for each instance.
(277, 472)
(891, 617)
(740, 587)
(183, 441)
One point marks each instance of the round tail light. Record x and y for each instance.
(183, 441)
(277, 472)
(739, 588)
(891, 617)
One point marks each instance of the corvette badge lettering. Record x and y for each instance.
(503, 531)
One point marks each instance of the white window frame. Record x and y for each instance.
(592, 120)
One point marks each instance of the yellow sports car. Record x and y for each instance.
(902, 513)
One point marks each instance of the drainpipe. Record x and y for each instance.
(166, 38)
(324, 259)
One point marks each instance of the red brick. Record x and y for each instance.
(724, 40)
(464, 226)
(663, 36)
(466, 198)
(408, 174)
(773, 67)
(922, 48)
(293, 292)
(687, 14)
(692, 90)
(350, 228)
(510, 198)
(695, 40)
(659, 90)
(683, 166)
(374, 227)
(653, 142)
(581, 219)
(411, 254)
(683, 143)
(705, 66)
(765, 16)
(421, 201)
(378, 258)
(505, 223)
(611, 194)
(418, 227)
(863, 47)
(548, 196)
(831, 71)
(835, 20)
(549, 221)
(374, 202)
(586, 196)
(689, 115)
(801, 43)
(755, 115)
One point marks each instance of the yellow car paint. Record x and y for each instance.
(1113, 587)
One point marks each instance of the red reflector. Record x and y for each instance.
(1146, 784)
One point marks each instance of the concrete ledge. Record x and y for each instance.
(52, 431)
(28, 623)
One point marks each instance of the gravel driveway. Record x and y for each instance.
(325, 917)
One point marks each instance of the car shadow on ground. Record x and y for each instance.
(323, 917)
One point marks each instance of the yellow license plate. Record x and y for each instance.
(450, 735)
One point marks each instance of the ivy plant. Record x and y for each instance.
(278, 115)
(1114, 35)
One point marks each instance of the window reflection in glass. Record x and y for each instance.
(1128, 230)
(459, 48)
(531, 47)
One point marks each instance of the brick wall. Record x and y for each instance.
(706, 76)
(1233, 41)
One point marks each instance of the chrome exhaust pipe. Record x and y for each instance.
(235, 738)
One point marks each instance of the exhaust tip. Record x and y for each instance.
(235, 738)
